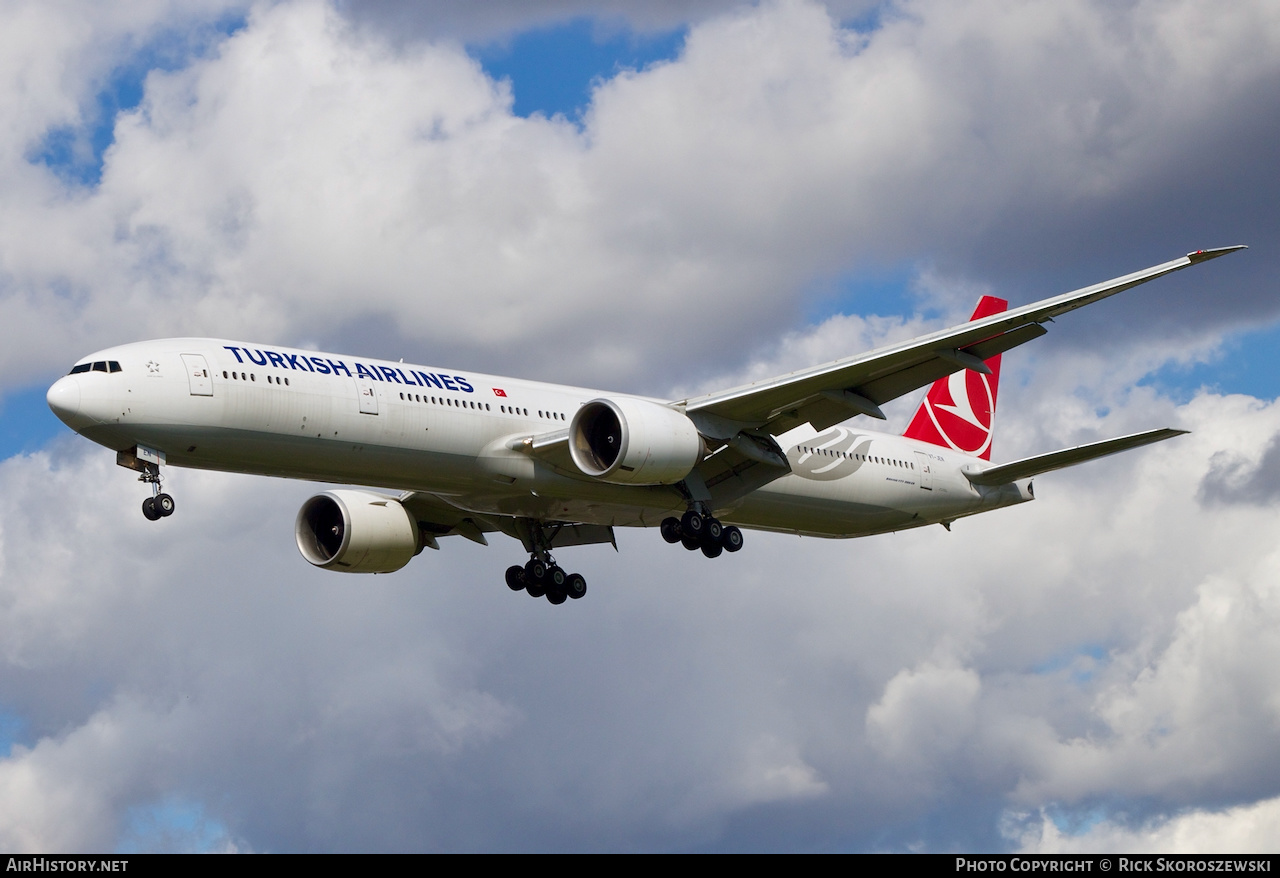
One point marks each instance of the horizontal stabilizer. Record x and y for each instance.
(1043, 463)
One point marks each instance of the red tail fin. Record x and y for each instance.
(959, 410)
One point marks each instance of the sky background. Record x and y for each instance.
(659, 198)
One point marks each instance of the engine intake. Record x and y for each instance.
(632, 441)
(356, 532)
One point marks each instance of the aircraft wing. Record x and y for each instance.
(1043, 463)
(436, 518)
(834, 392)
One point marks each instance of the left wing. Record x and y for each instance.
(834, 392)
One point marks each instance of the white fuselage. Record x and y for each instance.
(232, 406)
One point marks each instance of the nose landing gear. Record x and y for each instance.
(699, 530)
(159, 504)
(147, 462)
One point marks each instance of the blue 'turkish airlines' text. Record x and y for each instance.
(327, 366)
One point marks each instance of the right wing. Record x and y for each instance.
(834, 392)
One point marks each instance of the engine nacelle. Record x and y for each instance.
(356, 532)
(631, 441)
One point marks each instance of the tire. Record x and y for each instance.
(670, 529)
(692, 524)
(575, 586)
(534, 589)
(714, 529)
(535, 571)
(164, 505)
(515, 578)
(556, 578)
(731, 539)
(712, 550)
(691, 543)
(556, 596)
(149, 510)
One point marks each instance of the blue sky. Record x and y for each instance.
(552, 68)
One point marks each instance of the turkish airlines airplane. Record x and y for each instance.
(556, 466)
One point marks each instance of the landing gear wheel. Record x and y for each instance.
(714, 529)
(515, 578)
(712, 550)
(691, 543)
(149, 510)
(163, 504)
(556, 578)
(535, 571)
(556, 596)
(670, 529)
(575, 586)
(731, 539)
(692, 524)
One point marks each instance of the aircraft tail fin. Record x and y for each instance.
(959, 410)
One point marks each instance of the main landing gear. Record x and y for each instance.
(159, 504)
(698, 531)
(542, 577)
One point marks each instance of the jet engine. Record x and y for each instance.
(630, 441)
(356, 532)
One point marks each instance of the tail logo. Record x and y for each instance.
(964, 423)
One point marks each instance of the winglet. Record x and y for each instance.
(1214, 253)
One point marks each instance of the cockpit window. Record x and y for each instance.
(99, 366)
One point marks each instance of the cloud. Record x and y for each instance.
(1234, 479)
(308, 181)
(1247, 829)
(1109, 642)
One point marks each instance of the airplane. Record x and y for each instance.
(557, 466)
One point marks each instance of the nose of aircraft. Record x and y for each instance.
(64, 399)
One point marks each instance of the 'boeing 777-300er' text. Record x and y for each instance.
(556, 466)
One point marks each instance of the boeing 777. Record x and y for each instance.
(556, 466)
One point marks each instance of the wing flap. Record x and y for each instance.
(1043, 463)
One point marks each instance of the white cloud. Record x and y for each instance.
(1247, 829)
(307, 176)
